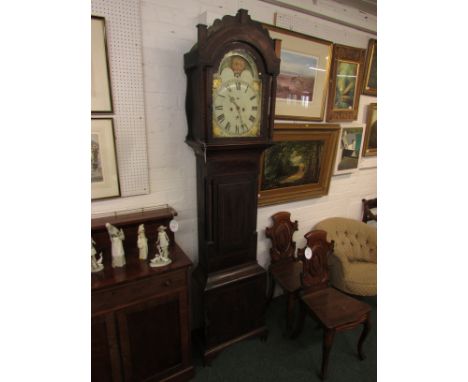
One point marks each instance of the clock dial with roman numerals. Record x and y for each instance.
(236, 96)
(236, 109)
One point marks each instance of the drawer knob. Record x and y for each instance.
(167, 282)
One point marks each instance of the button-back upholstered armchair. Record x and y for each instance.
(353, 265)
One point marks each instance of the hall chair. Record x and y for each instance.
(369, 210)
(333, 310)
(284, 269)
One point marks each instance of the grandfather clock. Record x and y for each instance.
(231, 87)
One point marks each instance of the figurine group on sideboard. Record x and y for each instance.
(117, 236)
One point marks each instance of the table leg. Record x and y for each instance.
(364, 334)
(328, 337)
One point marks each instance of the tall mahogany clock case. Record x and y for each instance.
(231, 85)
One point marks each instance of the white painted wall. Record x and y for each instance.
(169, 31)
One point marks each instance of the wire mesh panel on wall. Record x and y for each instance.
(123, 30)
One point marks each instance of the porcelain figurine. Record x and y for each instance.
(117, 236)
(96, 265)
(142, 242)
(162, 244)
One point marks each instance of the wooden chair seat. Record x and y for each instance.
(335, 310)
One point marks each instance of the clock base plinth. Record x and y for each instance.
(212, 353)
(232, 306)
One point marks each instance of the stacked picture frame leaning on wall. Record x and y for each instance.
(304, 73)
(370, 138)
(370, 76)
(349, 150)
(101, 95)
(104, 171)
(345, 83)
(300, 163)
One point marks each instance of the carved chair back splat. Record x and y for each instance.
(315, 274)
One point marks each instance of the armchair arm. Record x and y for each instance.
(372, 243)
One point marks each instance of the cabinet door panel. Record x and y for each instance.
(105, 361)
(150, 335)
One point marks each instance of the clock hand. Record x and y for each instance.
(233, 100)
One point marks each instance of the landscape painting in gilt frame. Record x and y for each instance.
(370, 77)
(104, 173)
(304, 73)
(346, 83)
(300, 163)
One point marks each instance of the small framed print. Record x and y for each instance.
(349, 150)
(101, 95)
(370, 138)
(345, 83)
(104, 172)
(300, 163)
(370, 76)
(304, 72)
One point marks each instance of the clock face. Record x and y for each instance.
(236, 97)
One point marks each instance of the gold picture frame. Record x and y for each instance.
(101, 93)
(370, 139)
(345, 83)
(300, 163)
(370, 78)
(104, 170)
(304, 73)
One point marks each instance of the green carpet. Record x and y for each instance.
(282, 359)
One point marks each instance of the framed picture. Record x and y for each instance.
(304, 72)
(300, 163)
(349, 150)
(370, 138)
(101, 96)
(370, 76)
(345, 84)
(104, 173)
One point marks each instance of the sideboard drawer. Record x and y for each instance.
(141, 289)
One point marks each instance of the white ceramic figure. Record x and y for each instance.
(142, 242)
(96, 265)
(117, 236)
(162, 244)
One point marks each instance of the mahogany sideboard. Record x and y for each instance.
(140, 316)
